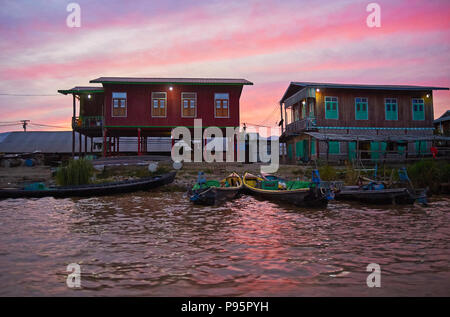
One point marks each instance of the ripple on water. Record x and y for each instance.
(159, 244)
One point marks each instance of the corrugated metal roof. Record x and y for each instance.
(443, 118)
(80, 90)
(362, 86)
(185, 81)
(61, 142)
(362, 137)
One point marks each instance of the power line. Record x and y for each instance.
(48, 125)
(28, 95)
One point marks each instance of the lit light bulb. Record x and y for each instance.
(170, 88)
(89, 96)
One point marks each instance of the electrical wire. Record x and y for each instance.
(27, 95)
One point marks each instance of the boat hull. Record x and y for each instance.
(304, 197)
(214, 195)
(400, 196)
(92, 190)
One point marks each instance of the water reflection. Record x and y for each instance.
(157, 244)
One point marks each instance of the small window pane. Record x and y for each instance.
(119, 95)
(116, 103)
(221, 96)
(155, 103)
(161, 103)
(185, 103)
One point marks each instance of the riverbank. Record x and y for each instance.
(435, 175)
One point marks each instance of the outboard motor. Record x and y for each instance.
(316, 181)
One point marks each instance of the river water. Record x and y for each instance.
(157, 244)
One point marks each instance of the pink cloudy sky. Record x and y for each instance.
(267, 42)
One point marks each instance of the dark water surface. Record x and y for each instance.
(157, 244)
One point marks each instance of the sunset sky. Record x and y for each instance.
(270, 43)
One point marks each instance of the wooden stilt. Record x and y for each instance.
(139, 141)
(85, 145)
(79, 144)
(105, 132)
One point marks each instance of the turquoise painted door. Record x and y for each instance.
(421, 147)
(401, 149)
(313, 147)
(299, 150)
(352, 151)
(290, 151)
(377, 150)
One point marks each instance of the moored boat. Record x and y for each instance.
(92, 190)
(302, 194)
(379, 193)
(214, 192)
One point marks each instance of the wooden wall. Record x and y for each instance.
(376, 108)
(139, 105)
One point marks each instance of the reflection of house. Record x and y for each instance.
(151, 107)
(442, 124)
(342, 121)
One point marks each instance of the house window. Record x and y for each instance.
(361, 109)
(221, 104)
(119, 104)
(159, 104)
(418, 107)
(188, 104)
(391, 109)
(331, 108)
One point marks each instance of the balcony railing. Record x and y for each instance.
(87, 122)
(301, 125)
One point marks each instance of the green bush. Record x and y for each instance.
(328, 173)
(76, 172)
(429, 173)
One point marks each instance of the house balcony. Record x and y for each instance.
(302, 125)
(87, 122)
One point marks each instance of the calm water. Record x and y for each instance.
(157, 244)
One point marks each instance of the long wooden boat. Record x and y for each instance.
(92, 189)
(214, 192)
(308, 196)
(382, 196)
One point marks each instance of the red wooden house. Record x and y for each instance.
(146, 107)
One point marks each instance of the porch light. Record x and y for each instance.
(170, 88)
(89, 96)
(303, 102)
(318, 90)
(428, 95)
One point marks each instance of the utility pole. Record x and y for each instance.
(24, 124)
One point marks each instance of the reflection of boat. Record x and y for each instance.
(91, 190)
(304, 194)
(213, 192)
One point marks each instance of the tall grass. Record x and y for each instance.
(76, 172)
